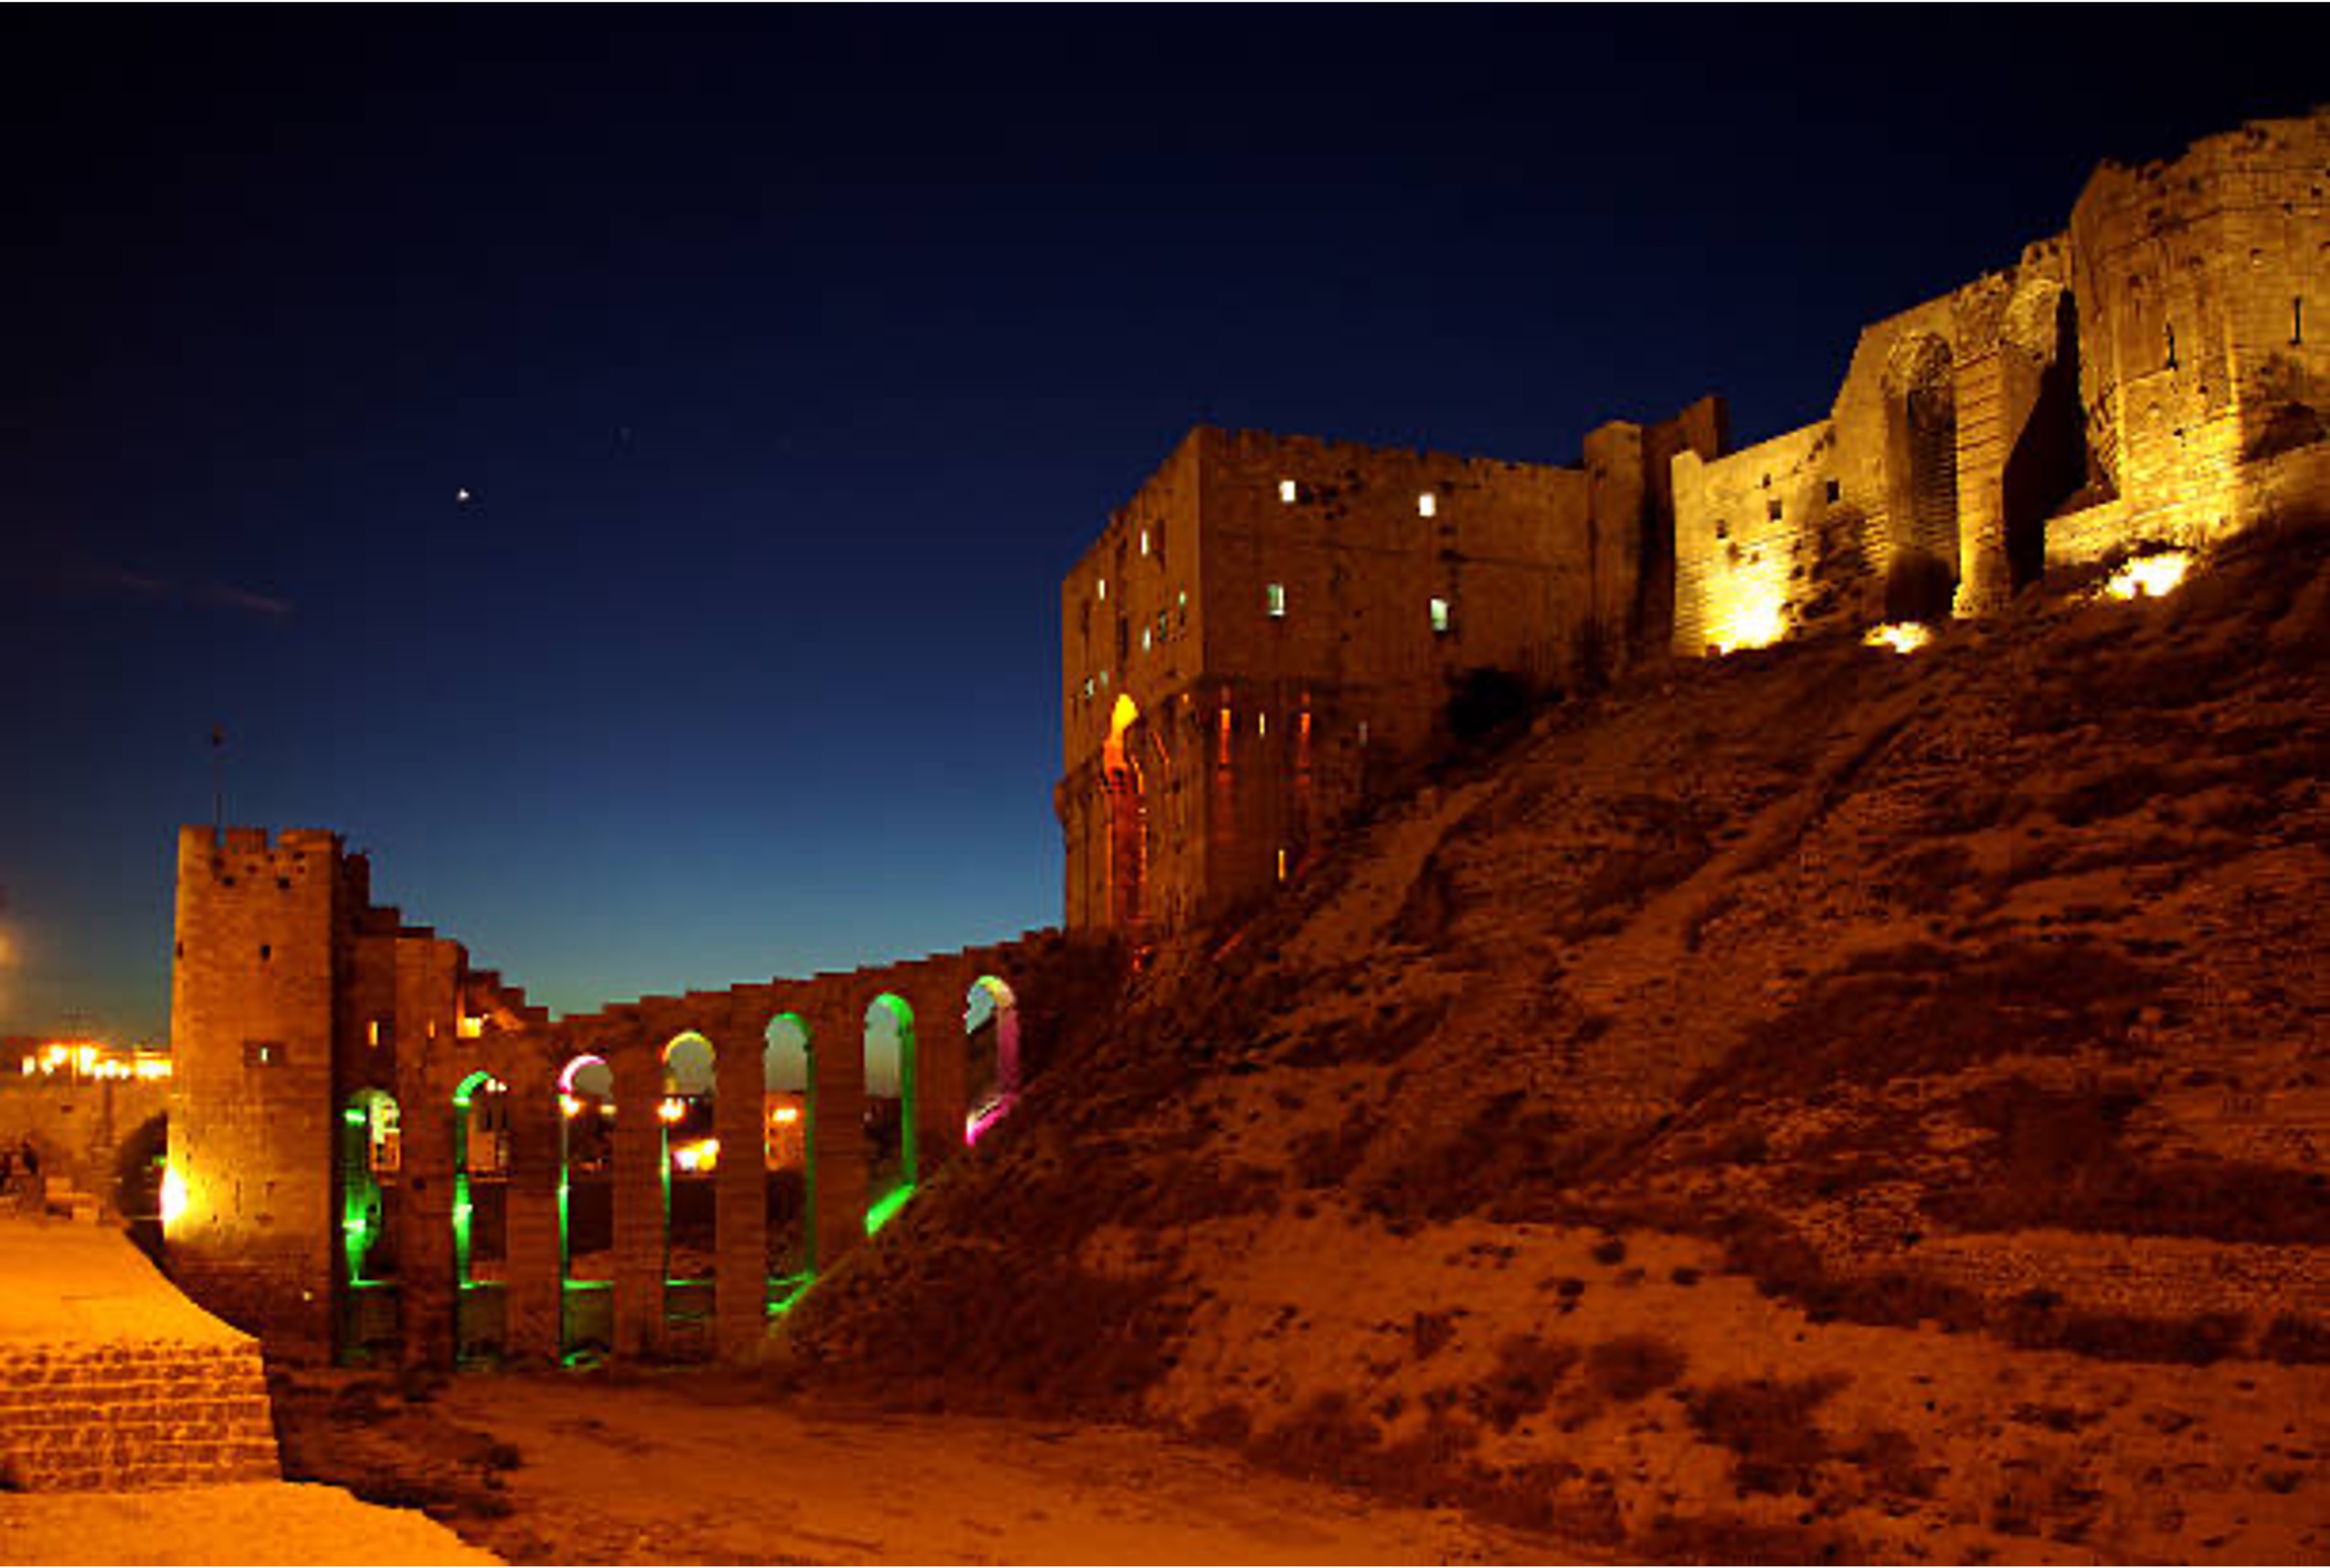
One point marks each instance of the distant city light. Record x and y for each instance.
(97, 1062)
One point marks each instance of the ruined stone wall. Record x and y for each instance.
(252, 1105)
(2202, 287)
(1954, 434)
(1766, 546)
(2154, 374)
(649, 1315)
(279, 946)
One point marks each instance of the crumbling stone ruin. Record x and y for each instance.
(377, 1150)
(1272, 622)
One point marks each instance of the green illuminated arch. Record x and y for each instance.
(368, 1122)
(889, 1021)
(464, 1164)
(788, 1120)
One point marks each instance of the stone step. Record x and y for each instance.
(133, 1415)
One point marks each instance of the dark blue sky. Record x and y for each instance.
(792, 357)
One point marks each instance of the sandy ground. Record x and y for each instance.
(640, 1472)
(261, 1522)
(73, 1284)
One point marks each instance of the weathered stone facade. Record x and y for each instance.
(1273, 620)
(2149, 376)
(300, 1008)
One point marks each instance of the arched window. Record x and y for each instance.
(480, 1213)
(691, 1159)
(370, 1162)
(789, 1156)
(587, 1205)
(890, 1099)
(992, 1030)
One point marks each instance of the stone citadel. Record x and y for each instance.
(376, 1149)
(1272, 621)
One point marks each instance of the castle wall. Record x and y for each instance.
(2203, 286)
(1765, 546)
(78, 1127)
(2156, 374)
(1294, 625)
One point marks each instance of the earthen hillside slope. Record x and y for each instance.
(1819, 1101)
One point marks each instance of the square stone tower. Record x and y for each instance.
(260, 945)
(1272, 621)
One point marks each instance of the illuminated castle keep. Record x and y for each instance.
(1272, 621)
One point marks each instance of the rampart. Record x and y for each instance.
(377, 1149)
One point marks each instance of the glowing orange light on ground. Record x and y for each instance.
(2150, 577)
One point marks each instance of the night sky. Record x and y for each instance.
(790, 359)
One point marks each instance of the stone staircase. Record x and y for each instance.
(111, 1381)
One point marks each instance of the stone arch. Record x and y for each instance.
(689, 1154)
(1921, 462)
(585, 1206)
(891, 1105)
(370, 1165)
(1128, 818)
(138, 1165)
(480, 1212)
(991, 1036)
(788, 1155)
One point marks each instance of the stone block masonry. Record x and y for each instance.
(375, 1152)
(127, 1417)
(1273, 622)
(110, 1380)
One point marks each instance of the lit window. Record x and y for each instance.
(1144, 541)
(1287, 491)
(1144, 639)
(1103, 680)
(1428, 504)
(1439, 615)
(372, 1033)
(1262, 723)
(1274, 599)
(1104, 588)
(471, 1028)
(1282, 863)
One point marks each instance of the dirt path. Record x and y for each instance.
(647, 1473)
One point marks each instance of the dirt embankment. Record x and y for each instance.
(1817, 1101)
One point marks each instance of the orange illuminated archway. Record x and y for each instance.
(1128, 820)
